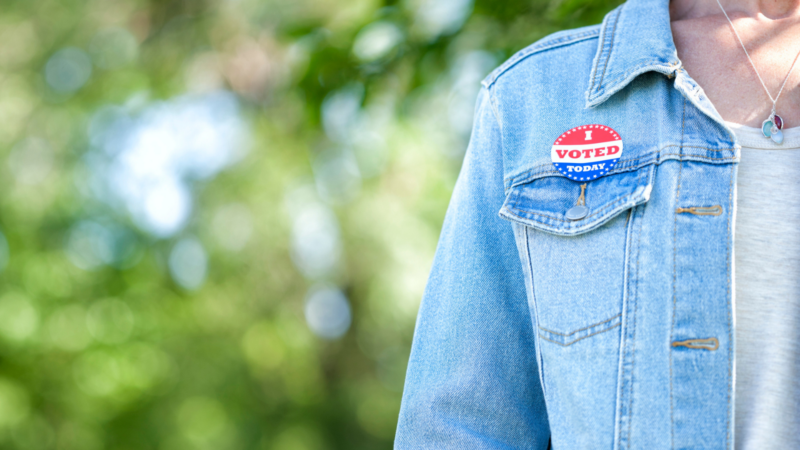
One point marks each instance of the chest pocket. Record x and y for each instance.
(577, 267)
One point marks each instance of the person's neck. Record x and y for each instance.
(759, 9)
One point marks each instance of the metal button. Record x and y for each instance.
(577, 212)
(705, 344)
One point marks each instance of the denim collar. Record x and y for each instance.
(634, 38)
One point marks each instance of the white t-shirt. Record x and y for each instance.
(767, 302)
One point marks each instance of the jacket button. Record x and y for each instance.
(577, 212)
(705, 344)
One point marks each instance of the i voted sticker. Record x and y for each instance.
(586, 152)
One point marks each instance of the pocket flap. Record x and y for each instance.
(542, 203)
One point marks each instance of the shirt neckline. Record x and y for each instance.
(753, 138)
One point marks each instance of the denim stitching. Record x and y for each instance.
(607, 55)
(580, 338)
(626, 166)
(580, 329)
(635, 314)
(588, 227)
(629, 165)
(619, 167)
(535, 310)
(598, 55)
(638, 67)
(633, 297)
(495, 110)
(523, 213)
(538, 48)
(730, 319)
(675, 281)
(611, 205)
(622, 163)
(623, 415)
(622, 166)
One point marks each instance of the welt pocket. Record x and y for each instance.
(543, 203)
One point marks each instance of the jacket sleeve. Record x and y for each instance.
(472, 380)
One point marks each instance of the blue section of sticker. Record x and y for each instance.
(586, 152)
(586, 171)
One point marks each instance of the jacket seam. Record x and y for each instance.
(675, 283)
(628, 352)
(731, 355)
(539, 48)
(621, 163)
(635, 312)
(622, 415)
(567, 344)
(604, 54)
(580, 329)
(637, 67)
(621, 166)
(495, 109)
(613, 204)
(540, 359)
(675, 287)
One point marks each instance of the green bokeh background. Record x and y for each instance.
(355, 116)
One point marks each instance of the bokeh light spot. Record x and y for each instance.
(337, 176)
(202, 419)
(14, 403)
(340, 112)
(19, 318)
(146, 159)
(90, 245)
(110, 321)
(4, 252)
(377, 414)
(376, 40)
(31, 161)
(146, 367)
(232, 226)
(298, 437)
(67, 328)
(166, 206)
(327, 312)
(316, 247)
(97, 372)
(437, 17)
(93, 244)
(34, 433)
(113, 48)
(263, 347)
(188, 263)
(68, 70)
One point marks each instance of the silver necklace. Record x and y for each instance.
(772, 126)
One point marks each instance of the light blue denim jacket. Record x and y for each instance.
(614, 331)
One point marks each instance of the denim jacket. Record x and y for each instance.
(610, 331)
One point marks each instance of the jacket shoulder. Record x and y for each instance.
(557, 40)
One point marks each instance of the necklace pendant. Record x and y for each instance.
(771, 128)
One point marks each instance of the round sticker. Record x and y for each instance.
(586, 152)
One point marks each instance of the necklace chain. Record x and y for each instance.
(791, 69)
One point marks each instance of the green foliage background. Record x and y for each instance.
(117, 354)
